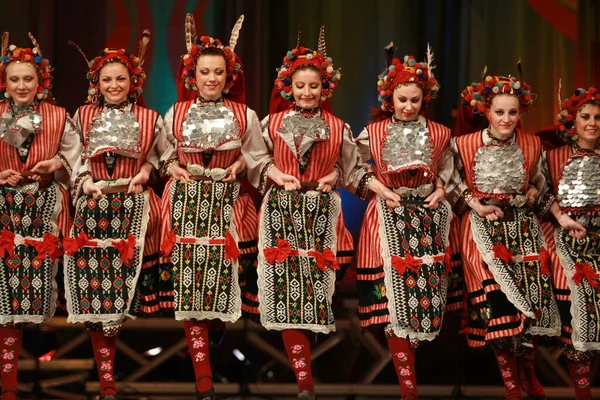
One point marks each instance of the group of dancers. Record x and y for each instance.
(485, 220)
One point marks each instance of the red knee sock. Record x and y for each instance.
(104, 353)
(510, 373)
(404, 363)
(580, 374)
(529, 381)
(297, 345)
(196, 333)
(11, 341)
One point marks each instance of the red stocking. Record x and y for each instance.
(510, 375)
(404, 362)
(529, 379)
(11, 348)
(196, 333)
(104, 353)
(580, 374)
(297, 345)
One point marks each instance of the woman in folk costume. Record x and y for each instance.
(113, 247)
(210, 223)
(303, 154)
(506, 263)
(403, 249)
(39, 144)
(575, 173)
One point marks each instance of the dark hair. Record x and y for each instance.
(305, 67)
(212, 51)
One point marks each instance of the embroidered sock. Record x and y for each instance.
(507, 362)
(403, 356)
(196, 333)
(297, 346)
(104, 353)
(529, 381)
(12, 338)
(580, 374)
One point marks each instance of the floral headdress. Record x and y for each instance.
(131, 61)
(404, 72)
(195, 46)
(565, 127)
(32, 56)
(480, 94)
(304, 56)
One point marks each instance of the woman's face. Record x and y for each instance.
(587, 125)
(21, 82)
(503, 115)
(408, 100)
(115, 82)
(211, 74)
(306, 88)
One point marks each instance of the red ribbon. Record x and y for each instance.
(231, 249)
(7, 243)
(408, 262)
(279, 253)
(501, 252)
(168, 244)
(49, 244)
(448, 259)
(71, 245)
(546, 262)
(326, 258)
(126, 247)
(585, 270)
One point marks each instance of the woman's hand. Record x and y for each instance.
(10, 177)
(327, 183)
(236, 168)
(289, 182)
(180, 174)
(434, 198)
(45, 167)
(490, 212)
(91, 189)
(136, 185)
(531, 194)
(574, 228)
(392, 199)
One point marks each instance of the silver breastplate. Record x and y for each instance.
(116, 131)
(208, 126)
(16, 126)
(580, 183)
(499, 169)
(407, 144)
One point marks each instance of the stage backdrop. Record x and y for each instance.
(553, 39)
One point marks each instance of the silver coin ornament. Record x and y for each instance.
(407, 143)
(500, 169)
(18, 124)
(115, 131)
(208, 126)
(580, 183)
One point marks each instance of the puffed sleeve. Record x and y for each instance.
(360, 176)
(81, 171)
(167, 144)
(257, 149)
(69, 151)
(349, 159)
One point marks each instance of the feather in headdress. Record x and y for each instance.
(143, 45)
(322, 47)
(299, 37)
(35, 44)
(430, 57)
(389, 53)
(72, 43)
(190, 31)
(235, 32)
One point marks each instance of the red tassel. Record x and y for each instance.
(546, 262)
(501, 252)
(231, 249)
(7, 243)
(448, 259)
(167, 246)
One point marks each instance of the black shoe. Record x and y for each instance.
(306, 395)
(208, 395)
